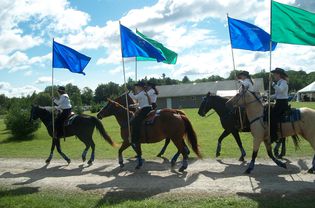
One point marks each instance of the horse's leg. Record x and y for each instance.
(139, 156)
(283, 148)
(239, 143)
(281, 143)
(91, 160)
(269, 151)
(175, 157)
(256, 144)
(224, 134)
(167, 141)
(180, 144)
(124, 146)
(312, 170)
(87, 147)
(53, 144)
(60, 152)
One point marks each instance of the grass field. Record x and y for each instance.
(208, 131)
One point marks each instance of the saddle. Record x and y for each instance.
(289, 116)
(70, 119)
(149, 120)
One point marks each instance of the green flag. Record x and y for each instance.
(292, 25)
(170, 56)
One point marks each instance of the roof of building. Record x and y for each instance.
(308, 88)
(203, 88)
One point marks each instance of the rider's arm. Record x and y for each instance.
(281, 87)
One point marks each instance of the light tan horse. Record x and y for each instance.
(170, 123)
(259, 129)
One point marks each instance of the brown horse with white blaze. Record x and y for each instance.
(169, 123)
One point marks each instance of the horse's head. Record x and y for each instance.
(34, 113)
(114, 106)
(206, 105)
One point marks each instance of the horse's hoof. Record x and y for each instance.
(83, 159)
(90, 162)
(138, 167)
(47, 161)
(182, 169)
(311, 171)
(68, 161)
(173, 163)
(121, 165)
(217, 154)
(241, 159)
(283, 165)
(248, 171)
(159, 155)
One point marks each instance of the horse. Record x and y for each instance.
(168, 123)
(260, 131)
(227, 118)
(82, 126)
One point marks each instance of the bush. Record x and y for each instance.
(95, 108)
(78, 109)
(17, 121)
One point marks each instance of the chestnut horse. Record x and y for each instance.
(168, 124)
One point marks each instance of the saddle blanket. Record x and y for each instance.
(291, 115)
(70, 119)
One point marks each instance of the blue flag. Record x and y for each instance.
(134, 46)
(65, 57)
(247, 36)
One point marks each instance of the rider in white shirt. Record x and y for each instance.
(63, 104)
(245, 79)
(281, 96)
(153, 94)
(143, 99)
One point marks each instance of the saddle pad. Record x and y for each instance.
(151, 117)
(294, 115)
(291, 115)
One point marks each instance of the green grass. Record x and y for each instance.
(31, 197)
(208, 131)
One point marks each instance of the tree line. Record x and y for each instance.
(97, 98)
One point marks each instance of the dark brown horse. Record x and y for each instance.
(169, 124)
(82, 127)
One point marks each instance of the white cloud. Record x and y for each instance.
(47, 81)
(10, 91)
(20, 61)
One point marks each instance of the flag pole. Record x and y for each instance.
(52, 93)
(126, 92)
(136, 69)
(270, 65)
(234, 69)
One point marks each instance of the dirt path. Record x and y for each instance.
(203, 176)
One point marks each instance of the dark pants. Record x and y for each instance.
(60, 121)
(154, 106)
(279, 109)
(136, 123)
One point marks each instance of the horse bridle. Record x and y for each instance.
(206, 98)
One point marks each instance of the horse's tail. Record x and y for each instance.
(296, 141)
(101, 130)
(191, 135)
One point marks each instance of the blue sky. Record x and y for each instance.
(195, 29)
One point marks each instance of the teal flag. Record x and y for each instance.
(292, 25)
(170, 56)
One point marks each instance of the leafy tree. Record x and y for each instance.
(185, 80)
(87, 96)
(43, 99)
(104, 91)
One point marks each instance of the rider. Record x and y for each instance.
(63, 104)
(245, 79)
(153, 94)
(144, 102)
(281, 97)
